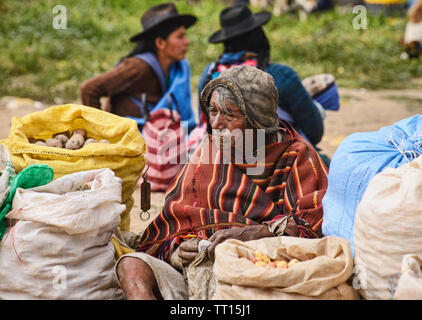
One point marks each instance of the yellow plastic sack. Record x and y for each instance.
(124, 155)
(385, 2)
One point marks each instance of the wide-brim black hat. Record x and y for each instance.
(237, 20)
(158, 15)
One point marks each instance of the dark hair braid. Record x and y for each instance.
(253, 41)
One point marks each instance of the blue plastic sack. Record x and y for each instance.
(329, 98)
(357, 160)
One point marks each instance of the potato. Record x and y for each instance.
(40, 143)
(80, 131)
(253, 259)
(63, 139)
(104, 141)
(280, 264)
(56, 143)
(292, 263)
(261, 256)
(90, 140)
(261, 264)
(66, 133)
(75, 142)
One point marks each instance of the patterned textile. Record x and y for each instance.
(208, 195)
(166, 145)
(229, 60)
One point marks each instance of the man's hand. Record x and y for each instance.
(244, 234)
(188, 251)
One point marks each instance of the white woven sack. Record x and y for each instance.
(409, 286)
(388, 226)
(60, 246)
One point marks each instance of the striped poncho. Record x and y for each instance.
(207, 196)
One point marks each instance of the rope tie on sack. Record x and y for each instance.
(411, 147)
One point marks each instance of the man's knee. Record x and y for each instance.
(137, 279)
(132, 266)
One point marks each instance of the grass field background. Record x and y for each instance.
(39, 62)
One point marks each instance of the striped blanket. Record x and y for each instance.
(207, 196)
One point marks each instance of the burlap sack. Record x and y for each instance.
(325, 266)
(409, 286)
(198, 275)
(387, 227)
(200, 278)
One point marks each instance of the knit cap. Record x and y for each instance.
(255, 93)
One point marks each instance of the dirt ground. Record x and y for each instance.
(360, 110)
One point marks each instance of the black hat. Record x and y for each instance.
(157, 15)
(237, 20)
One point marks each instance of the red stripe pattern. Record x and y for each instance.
(293, 182)
(165, 144)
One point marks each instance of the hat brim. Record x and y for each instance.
(186, 20)
(259, 19)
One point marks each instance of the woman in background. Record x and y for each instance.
(154, 69)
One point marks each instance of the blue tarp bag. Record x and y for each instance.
(357, 160)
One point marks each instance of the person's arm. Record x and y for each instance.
(305, 187)
(294, 99)
(246, 233)
(119, 80)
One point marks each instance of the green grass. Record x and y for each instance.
(40, 62)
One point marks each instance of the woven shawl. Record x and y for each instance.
(293, 183)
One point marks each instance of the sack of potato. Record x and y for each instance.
(409, 285)
(60, 137)
(388, 227)
(59, 246)
(283, 268)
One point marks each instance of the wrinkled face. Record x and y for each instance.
(228, 124)
(176, 45)
(224, 114)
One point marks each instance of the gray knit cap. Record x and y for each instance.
(255, 92)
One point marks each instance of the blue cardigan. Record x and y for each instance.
(293, 99)
(179, 91)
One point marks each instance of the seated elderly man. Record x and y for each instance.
(220, 194)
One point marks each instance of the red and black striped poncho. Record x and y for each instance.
(293, 183)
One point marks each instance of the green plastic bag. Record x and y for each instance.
(32, 176)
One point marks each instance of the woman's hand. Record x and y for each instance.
(188, 251)
(244, 234)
